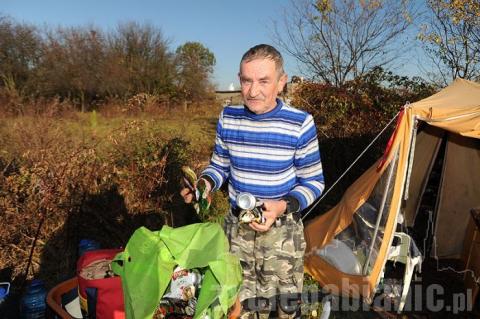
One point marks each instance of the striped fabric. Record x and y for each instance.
(269, 155)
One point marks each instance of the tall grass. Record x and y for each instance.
(93, 175)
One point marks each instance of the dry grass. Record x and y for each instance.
(92, 175)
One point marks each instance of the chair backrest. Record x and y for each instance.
(338, 254)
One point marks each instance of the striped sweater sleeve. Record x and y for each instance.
(310, 181)
(219, 167)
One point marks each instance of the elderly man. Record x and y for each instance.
(270, 150)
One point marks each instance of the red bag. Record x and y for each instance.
(100, 291)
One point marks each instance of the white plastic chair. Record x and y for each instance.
(401, 253)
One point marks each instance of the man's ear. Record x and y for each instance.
(282, 81)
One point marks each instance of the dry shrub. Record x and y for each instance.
(139, 103)
(361, 106)
(349, 117)
(158, 105)
(11, 96)
(52, 108)
(111, 108)
(338, 112)
(13, 106)
(138, 161)
(52, 178)
(54, 183)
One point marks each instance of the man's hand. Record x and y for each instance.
(188, 194)
(272, 209)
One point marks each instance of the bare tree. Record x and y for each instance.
(72, 64)
(451, 39)
(337, 40)
(86, 65)
(143, 59)
(19, 51)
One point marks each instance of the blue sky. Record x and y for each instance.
(227, 28)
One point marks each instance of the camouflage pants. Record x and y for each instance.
(272, 261)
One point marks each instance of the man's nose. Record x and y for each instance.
(254, 89)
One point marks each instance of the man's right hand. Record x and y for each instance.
(188, 194)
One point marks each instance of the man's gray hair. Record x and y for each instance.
(264, 51)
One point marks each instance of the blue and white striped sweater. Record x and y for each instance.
(269, 155)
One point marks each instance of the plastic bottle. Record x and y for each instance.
(33, 305)
(86, 245)
(4, 290)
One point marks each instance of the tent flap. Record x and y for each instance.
(455, 109)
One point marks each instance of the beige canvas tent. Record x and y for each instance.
(347, 247)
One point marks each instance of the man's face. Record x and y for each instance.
(261, 83)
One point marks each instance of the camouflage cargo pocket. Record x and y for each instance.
(282, 269)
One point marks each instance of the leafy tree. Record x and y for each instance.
(338, 40)
(194, 66)
(451, 38)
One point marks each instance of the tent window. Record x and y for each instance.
(349, 251)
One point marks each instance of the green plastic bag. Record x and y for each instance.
(147, 264)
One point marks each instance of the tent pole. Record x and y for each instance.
(410, 158)
(380, 212)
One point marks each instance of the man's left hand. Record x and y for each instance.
(272, 209)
